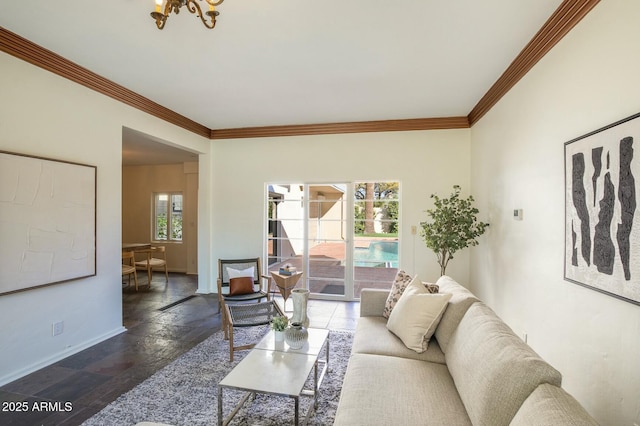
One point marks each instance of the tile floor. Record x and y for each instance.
(91, 379)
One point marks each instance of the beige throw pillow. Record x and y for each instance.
(416, 315)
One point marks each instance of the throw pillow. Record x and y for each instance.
(240, 285)
(431, 287)
(416, 315)
(237, 273)
(399, 284)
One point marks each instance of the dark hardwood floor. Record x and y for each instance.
(162, 323)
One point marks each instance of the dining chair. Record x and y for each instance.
(156, 257)
(129, 267)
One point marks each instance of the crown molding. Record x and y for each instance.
(567, 16)
(349, 127)
(30, 52)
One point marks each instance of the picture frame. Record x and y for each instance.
(602, 221)
(47, 221)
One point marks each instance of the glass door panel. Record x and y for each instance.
(327, 239)
(375, 239)
(285, 226)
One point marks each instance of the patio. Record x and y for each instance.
(326, 270)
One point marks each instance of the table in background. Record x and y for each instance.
(135, 246)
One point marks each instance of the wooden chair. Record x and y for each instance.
(260, 291)
(247, 315)
(129, 267)
(156, 257)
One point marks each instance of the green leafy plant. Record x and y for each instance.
(279, 323)
(453, 226)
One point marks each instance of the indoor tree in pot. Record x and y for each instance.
(453, 226)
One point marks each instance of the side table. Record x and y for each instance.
(286, 283)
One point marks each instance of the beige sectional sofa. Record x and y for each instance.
(476, 371)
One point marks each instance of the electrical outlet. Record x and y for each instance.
(57, 328)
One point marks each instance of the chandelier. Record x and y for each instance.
(162, 13)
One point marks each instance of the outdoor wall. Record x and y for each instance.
(423, 162)
(139, 184)
(589, 80)
(45, 115)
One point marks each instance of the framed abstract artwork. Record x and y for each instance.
(47, 221)
(602, 222)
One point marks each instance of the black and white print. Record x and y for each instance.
(602, 223)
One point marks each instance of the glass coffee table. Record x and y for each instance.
(274, 368)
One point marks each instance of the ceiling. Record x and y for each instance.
(140, 149)
(293, 62)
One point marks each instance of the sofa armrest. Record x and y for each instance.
(372, 301)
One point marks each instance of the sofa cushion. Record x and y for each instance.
(397, 288)
(416, 315)
(383, 390)
(493, 369)
(372, 337)
(550, 405)
(461, 299)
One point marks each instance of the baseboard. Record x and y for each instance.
(59, 356)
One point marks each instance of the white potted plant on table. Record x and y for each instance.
(279, 325)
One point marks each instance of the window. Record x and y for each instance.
(167, 215)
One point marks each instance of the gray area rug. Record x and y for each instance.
(185, 392)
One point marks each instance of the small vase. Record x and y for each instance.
(300, 297)
(296, 335)
(278, 336)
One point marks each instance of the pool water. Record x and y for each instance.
(379, 254)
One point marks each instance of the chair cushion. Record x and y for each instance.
(240, 285)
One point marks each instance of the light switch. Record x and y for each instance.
(517, 214)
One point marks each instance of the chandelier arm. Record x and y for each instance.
(160, 19)
(192, 6)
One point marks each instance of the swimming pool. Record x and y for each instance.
(379, 254)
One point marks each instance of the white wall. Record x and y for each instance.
(45, 115)
(423, 162)
(590, 79)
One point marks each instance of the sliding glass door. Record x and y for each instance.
(342, 236)
(327, 240)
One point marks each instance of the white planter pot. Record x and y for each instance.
(300, 296)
